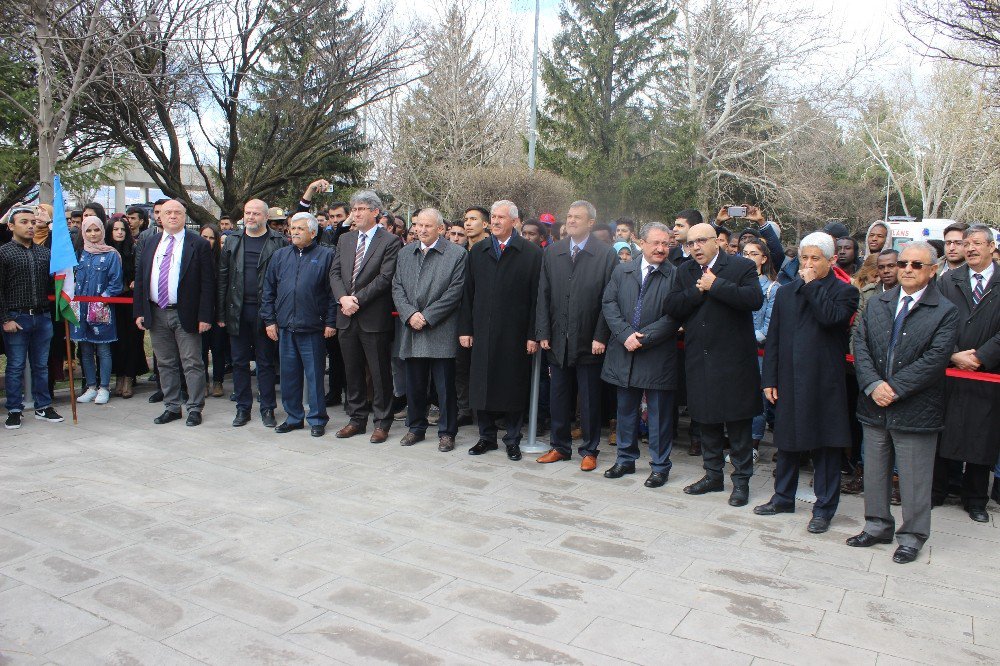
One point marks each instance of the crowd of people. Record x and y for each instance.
(437, 323)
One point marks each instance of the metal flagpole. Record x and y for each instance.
(536, 364)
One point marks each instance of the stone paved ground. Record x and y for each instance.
(123, 542)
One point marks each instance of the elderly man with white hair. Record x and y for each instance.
(804, 376)
(299, 312)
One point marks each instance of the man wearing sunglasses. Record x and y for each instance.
(714, 297)
(971, 434)
(901, 348)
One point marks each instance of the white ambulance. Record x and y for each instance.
(907, 229)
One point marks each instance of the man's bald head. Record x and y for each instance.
(702, 243)
(255, 216)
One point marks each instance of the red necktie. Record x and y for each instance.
(502, 246)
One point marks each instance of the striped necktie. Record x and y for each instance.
(979, 291)
(163, 281)
(359, 255)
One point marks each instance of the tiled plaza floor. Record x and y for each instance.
(123, 542)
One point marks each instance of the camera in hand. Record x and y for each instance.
(737, 211)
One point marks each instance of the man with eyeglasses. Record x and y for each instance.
(714, 297)
(954, 248)
(901, 348)
(971, 434)
(361, 279)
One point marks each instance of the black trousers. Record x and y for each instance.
(253, 343)
(334, 369)
(740, 449)
(513, 422)
(826, 479)
(418, 373)
(563, 407)
(372, 352)
(975, 484)
(463, 363)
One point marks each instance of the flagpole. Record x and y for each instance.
(72, 379)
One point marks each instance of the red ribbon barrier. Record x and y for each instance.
(119, 300)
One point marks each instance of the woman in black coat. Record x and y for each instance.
(128, 355)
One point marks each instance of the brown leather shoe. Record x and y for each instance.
(446, 444)
(588, 464)
(127, 388)
(379, 435)
(217, 391)
(551, 457)
(409, 439)
(694, 449)
(350, 430)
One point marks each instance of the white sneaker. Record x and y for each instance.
(88, 396)
(103, 395)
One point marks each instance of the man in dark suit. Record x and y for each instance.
(175, 299)
(498, 323)
(571, 328)
(642, 354)
(714, 298)
(970, 432)
(361, 279)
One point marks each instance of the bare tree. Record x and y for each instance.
(941, 139)
(258, 93)
(970, 29)
(74, 46)
(465, 112)
(744, 66)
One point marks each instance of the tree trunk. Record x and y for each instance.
(47, 148)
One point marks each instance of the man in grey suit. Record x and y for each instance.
(427, 290)
(901, 350)
(361, 280)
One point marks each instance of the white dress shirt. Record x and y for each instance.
(915, 296)
(645, 268)
(987, 274)
(175, 267)
(368, 236)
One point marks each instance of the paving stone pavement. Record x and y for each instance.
(123, 542)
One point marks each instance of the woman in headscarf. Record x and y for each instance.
(99, 273)
(128, 356)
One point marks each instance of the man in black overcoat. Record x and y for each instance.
(971, 432)
(714, 298)
(804, 377)
(497, 322)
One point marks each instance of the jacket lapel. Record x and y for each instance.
(189, 242)
(377, 239)
(961, 278)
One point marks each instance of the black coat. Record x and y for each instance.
(720, 348)
(569, 301)
(972, 411)
(807, 339)
(498, 311)
(229, 289)
(920, 358)
(195, 285)
(654, 365)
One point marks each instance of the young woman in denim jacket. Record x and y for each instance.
(757, 252)
(99, 273)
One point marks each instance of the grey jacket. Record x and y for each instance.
(919, 361)
(434, 288)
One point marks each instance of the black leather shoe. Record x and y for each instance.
(288, 427)
(464, 421)
(514, 452)
(618, 470)
(818, 525)
(905, 554)
(656, 479)
(317, 430)
(331, 400)
(771, 509)
(242, 418)
(706, 485)
(979, 515)
(167, 417)
(740, 496)
(482, 446)
(157, 397)
(193, 419)
(267, 418)
(865, 540)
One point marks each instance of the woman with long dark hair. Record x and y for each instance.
(128, 356)
(215, 339)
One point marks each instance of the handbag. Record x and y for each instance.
(98, 313)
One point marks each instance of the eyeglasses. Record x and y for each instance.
(360, 209)
(917, 265)
(976, 243)
(696, 242)
(954, 242)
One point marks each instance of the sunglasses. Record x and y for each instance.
(917, 265)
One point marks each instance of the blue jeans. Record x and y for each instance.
(30, 344)
(103, 350)
(303, 357)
